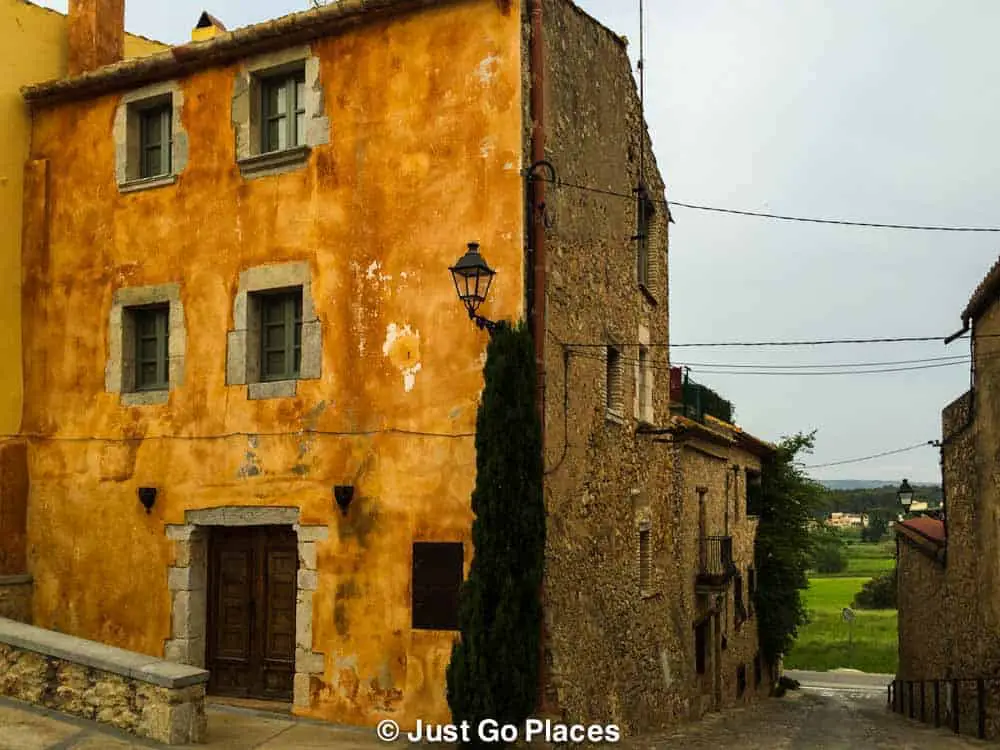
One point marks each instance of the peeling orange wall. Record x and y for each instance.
(424, 157)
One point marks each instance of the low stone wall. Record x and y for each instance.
(132, 692)
(15, 597)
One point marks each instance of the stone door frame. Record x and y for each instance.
(188, 584)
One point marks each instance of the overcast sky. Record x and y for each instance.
(867, 110)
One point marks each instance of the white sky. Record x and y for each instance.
(870, 110)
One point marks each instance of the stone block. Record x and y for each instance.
(312, 533)
(303, 630)
(309, 662)
(301, 690)
(308, 580)
(307, 555)
(186, 579)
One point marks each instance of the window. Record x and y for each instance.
(152, 357)
(613, 381)
(283, 111)
(644, 215)
(437, 579)
(280, 335)
(754, 494)
(739, 613)
(645, 559)
(643, 386)
(155, 140)
(701, 646)
(741, 680)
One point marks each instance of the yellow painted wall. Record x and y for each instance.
(34, 50)
(424, 157)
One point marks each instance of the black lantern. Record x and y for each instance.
(905, 495)
(343, 493)
(147, 496)
(473, 277)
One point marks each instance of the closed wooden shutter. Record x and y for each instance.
(437, 579)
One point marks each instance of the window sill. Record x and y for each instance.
(616, 417)
(272, 389)
(147, 183)
(145, 398)
(274, 162)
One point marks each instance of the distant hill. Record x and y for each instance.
(865, 484)
(862, 496)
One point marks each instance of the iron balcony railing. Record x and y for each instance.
(946, 702)
(716, 564)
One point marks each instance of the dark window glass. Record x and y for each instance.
(281, 335)
(700, 646)
(283, 116)
(437, 579)
(155, 138)
(152, 346)
(644, 217)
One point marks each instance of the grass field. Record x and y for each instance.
(826, 641)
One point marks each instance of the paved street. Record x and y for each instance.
(831, 711)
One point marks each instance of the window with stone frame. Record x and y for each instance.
(613, 385)
(644, 386)
(146, 344)
(278, 112)
(150, 141)
(151, 329)
(645, 559)
(277, 336)
(437, 579)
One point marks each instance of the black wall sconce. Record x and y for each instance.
(147, 496)
(344, 493)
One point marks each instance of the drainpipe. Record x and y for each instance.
(538, 315)
(537, 244)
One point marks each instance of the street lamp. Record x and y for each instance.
(905, 495)
(473, 278)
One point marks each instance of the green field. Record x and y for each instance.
(826, 641)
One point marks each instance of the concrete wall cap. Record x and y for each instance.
(100, 656)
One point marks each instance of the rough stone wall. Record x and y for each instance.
(617, 654)
(174, 716)
(422, 158)
(15, 597)
(923, 652)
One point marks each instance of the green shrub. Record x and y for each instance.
(878, 593)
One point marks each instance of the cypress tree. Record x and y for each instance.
(494, 668)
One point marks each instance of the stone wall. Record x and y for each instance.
(15, 597)
(146, 697)
(923, 651)
(616, 649)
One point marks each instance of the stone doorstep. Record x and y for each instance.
(100, 656)
(15, 580)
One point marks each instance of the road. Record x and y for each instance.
(832, 710)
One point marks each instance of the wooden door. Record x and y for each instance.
(251, 613)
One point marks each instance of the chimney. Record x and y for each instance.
(208, 27)
(96, 34)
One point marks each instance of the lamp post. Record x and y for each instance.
(473, 277)
(905, 496)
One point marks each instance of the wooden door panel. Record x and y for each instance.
(252, 590)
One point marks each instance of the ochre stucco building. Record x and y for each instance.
(35, 49)
(239, 315)
(948, 584)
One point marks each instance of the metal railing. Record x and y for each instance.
(942, 701)
(716, 560)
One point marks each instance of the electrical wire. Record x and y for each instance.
(817, 342)
(229, 435)
(956, 357)
(872, 457)
(777, 217)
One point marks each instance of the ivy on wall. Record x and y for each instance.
(494, 668)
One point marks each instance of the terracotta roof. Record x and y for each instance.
(929, 528)
(723, 433)
(279, 33)
(986, 293)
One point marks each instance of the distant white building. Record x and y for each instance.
(846, 520)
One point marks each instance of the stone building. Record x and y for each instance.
(948, 580)
(35, 49)
(250, 405)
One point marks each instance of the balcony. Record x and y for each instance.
(716, 566)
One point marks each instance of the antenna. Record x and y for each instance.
(642, 97)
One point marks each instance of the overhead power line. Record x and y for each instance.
(818, 342)
(872, 457)
(776, 217)
(760, 366)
